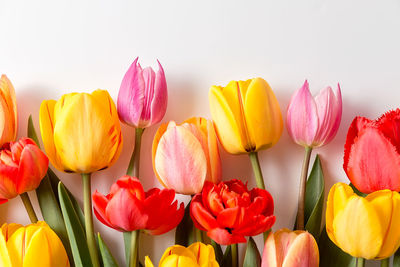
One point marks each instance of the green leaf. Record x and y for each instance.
(396, 259)
(227, 259)
(331, 255)
(252, 257)
(219, 255)
(127, 243)
(32, 132)
(75, 230)
(314, 201)
(106, 256)
(184, 234)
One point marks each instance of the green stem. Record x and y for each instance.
(255, 163)
(385, 262)
(133, 262)
(29, 208)
(302, 189)
(360, 262)
(234, 249)
(133, 167)
(87, 203)
(199, 236)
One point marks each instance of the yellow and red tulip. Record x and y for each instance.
(8, 110)
(31, 246)
(81, 132)
(247, 115)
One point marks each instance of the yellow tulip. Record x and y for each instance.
(196, 255)
(364, 227)
(31, 246)
(247, 115)
(8, 111)
(81, 132)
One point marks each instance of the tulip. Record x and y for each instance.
(364, 227)
(314, 121)
(228, 211)
(246, 115)
(81, 132)
(372, 155)
(32, 245)
(142, 99)
(22, 167)
(8, 110)
(196, 255)
(186, 155)
(128, 208)
(286, 248)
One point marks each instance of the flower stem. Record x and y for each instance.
(133, 262)
(385, 262)
(133, 167)
(29, 208)
(257, 169)
(234, 250)
(199, 236)
(302, 189)
(360, 262)
(87, 202)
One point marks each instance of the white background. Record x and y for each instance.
(49, 48)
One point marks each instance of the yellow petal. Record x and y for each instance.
(387, 205)
(8, 112)
(175, 260)
(47, 122)
(337, 201)
(228, 129)
(4, 257)
(178, 251)
(205, 253)
(357, 229)
(8, 229)
(147, 262)
(263, 114)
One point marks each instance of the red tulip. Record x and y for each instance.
(128, 208)
(229, 212)
(22, 167)
(372, 153)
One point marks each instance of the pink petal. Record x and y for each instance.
(160, 97)
(303, 252)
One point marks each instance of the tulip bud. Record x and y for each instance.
(314, 121)
(8, 110)
(286, 248)
(142, 99)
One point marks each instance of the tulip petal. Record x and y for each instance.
(8, 111)
(161, 130)
(160, 97)
(223, 237)
(302, 117)
(179, 251)
(4, 257)
(99, 206)
(178, 261)
(8, 183)
(205, 253)
(148, 262)
(364, 240)
(389, 125)
(303, 252)
(227, 218)
(201, 216)
(180, 161)
(263, 114)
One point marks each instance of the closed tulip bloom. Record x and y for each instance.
(314, 121)
(228, 211)
(128, 208)
(364, 227)
(8, 111)
(186, 155)
(142, 99)
(286, 248)
(22, 167)
(196, 255)
(372, 153)
(247, 115)
(31, 246)
(81, 132)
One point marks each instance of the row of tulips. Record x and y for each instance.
(81, 133)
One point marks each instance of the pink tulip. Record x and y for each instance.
(314, 121)
(142, 99)
(286, 248)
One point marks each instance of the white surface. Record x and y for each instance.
(49, 48)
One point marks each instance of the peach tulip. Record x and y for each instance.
(186, 155)
(8, 111)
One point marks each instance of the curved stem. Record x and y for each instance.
(360, 262)
(234, 249)
(302, 189)
(29, 208)
(255, 163)
(385, 262)
(134, 257)
(133, 167)
(87, 203)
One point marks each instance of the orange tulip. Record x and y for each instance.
(8, 111)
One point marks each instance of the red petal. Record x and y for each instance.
(8, 176)
(2, 201)
(99, 206)
(228, 217)
(174, 218)
(258, 224)
(130, 183)
(262, 202)
(389, 125)
(201, 216)
(223, 237)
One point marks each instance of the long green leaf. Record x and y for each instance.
(227, 259)
(75, 230)
(107, 257)
(184, 234)
(396, 259)
(252, 257)
(31, 131)
(219, 255)
(314, 199)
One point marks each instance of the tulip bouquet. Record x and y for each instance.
(81, 134)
